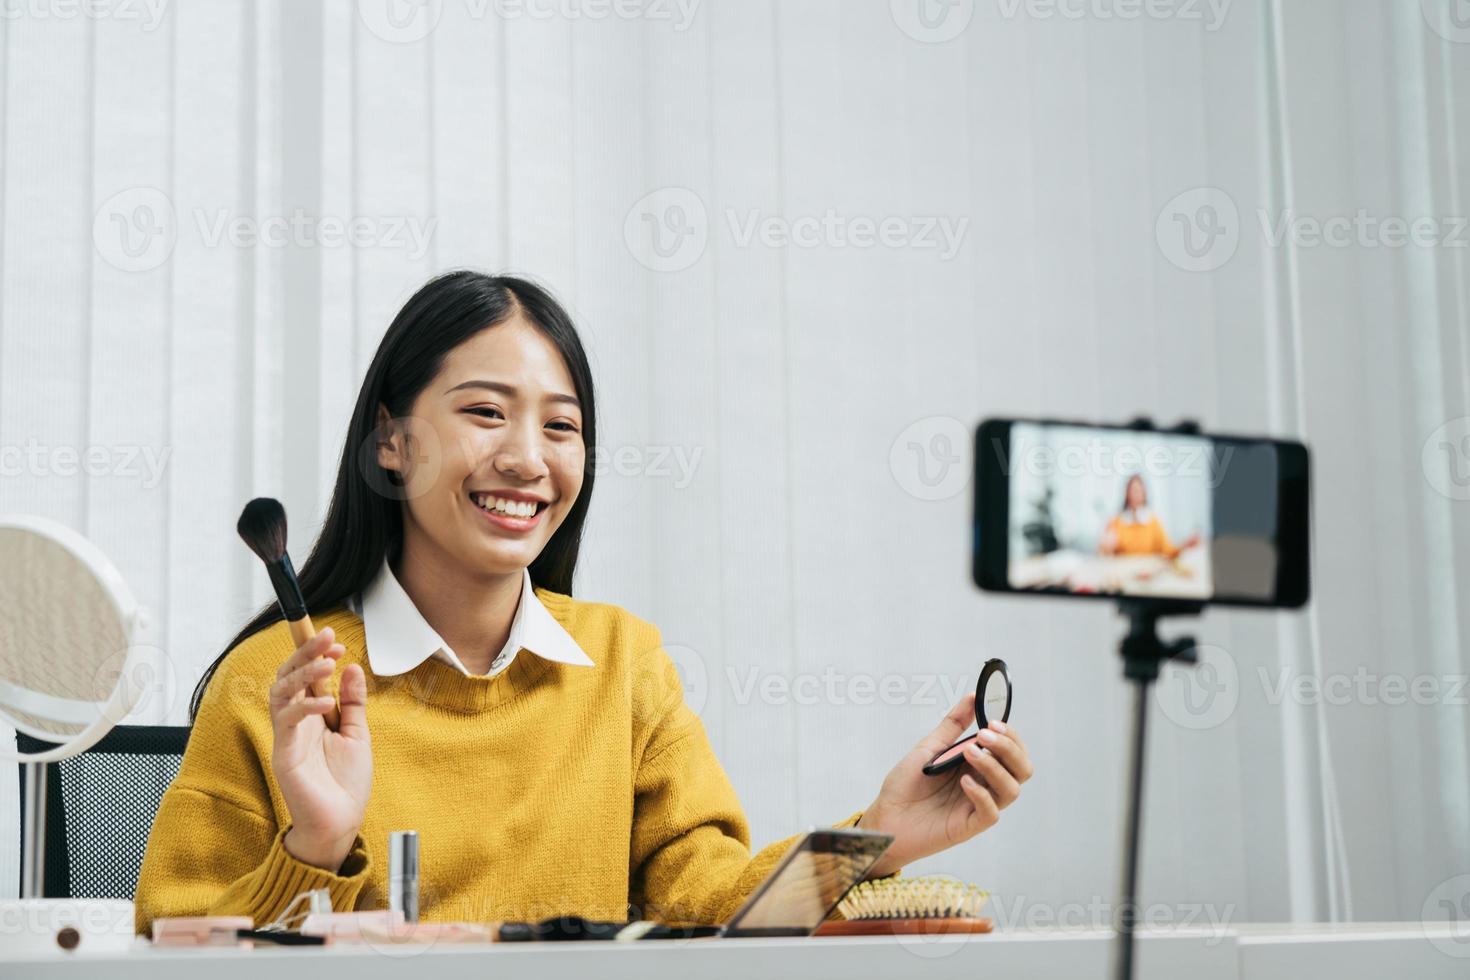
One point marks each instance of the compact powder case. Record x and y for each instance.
(992, 701)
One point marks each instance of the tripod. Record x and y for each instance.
(1143, 654)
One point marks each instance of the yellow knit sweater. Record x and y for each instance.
(546, 790)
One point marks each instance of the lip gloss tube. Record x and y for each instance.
(403, 873)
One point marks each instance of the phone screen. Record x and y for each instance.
(808, 883)
(1103, 511)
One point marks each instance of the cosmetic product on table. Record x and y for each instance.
(190, 932)
(403, 873)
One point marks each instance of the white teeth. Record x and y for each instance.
(511, 508)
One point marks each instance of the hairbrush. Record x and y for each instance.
(929, 904)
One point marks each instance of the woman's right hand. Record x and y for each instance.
(325, 776)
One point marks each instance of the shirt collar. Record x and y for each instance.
(399, 638)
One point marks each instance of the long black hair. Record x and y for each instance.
(364, 524)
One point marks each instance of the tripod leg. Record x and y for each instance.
(1127, 911)
(33, 861)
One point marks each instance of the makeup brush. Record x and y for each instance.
(262, 526)
(928, 905)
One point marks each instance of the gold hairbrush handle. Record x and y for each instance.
(301, 632)
(903, 927)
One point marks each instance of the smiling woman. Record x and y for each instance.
(539, 744)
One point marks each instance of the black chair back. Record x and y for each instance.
(100, 807)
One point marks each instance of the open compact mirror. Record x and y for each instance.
(992, 703)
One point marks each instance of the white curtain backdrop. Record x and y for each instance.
(810, 243)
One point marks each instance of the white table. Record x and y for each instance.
(1242, 952)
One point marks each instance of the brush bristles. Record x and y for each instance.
(925, 897)
(262, 526)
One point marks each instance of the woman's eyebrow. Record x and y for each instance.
(510, 391)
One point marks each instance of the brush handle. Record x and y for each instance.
(301, 632)
(902, 927)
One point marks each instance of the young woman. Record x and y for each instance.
(539, 744)
(1137, 530)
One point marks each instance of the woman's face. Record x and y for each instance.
(1137, 495)
(492, 456)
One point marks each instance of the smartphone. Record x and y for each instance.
(813, 876)
(1095, 511)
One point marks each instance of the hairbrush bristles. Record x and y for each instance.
(924, 897)
(262, 525)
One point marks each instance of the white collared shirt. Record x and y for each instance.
(399, 638)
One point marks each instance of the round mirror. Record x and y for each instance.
(993, 694)
(992, 703)
(68, 624)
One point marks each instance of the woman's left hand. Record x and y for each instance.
(927, 814)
